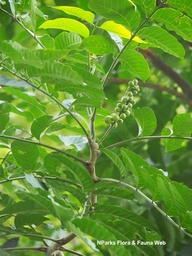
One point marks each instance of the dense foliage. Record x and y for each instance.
(95, 127)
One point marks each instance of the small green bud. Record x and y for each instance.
(120, 121)
(130, 105)
(132, 101)
(135, 81)
(125, 107)
(123, 115)
(115, 125)
(130, 94)
(124, 99)
(119, 105)
(127, 113)
(108, 119)
(117, 109)
(115, 117)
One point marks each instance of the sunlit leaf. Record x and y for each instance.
(67, 24)
(78, 12)
(122, 12)
(119, 30)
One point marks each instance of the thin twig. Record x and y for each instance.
(25, 140)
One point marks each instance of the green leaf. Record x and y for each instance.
(174, 203)
(160, 38)
(31, 100)
(119, 30)
(30, 218)
(80, 173)
(69, 41)
(135, 64)
(116, 160)
(182, 125)
(33, 181)
(26, 154)
(127, 215)
(52, 72)
(184, 6)
(147, 5)
(99, 232)
(146, 121)
(67, 24)
(4, 115)
(132, 161)
(175, 21)
(19, 54)
(78, 12)
(170, 144)
(122, 12)
(47, 203)
(79, 142)
(39, 125)
(99, 45)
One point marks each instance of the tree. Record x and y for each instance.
(95, 127)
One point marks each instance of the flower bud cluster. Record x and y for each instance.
(123, 108)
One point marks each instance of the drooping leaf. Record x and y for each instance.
(132, 161)
(122, 12)
(80, 173)
(175, 21)
(158, 37)
(119, 30)
(146, 120)
(78, 12)
(116, 160)
(25, 153)
(99, 232)
(99, 45)
(68, 25)
(135, 64)
(39, 125)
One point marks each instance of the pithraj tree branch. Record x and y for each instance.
(168, 71)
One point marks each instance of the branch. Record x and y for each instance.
(45, 146)
(147, 138)
(116, 80)
(39, 177)
(168, 71)
(130, 187)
